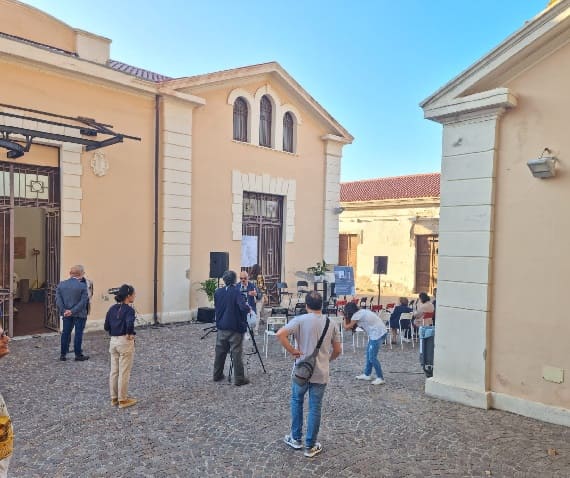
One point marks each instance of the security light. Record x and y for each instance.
(544, 166)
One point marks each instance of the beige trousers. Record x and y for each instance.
(4, 464)
(122, 352)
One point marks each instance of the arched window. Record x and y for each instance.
(265, 114)
(240, 120)
(288, 125)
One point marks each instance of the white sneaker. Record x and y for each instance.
(363, 377)
(378, 381)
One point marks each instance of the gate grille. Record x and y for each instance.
(263, 218)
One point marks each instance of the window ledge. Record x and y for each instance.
(295, 155)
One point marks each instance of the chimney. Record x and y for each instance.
(92, 47)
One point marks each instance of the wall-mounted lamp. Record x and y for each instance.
(338, 210)
(544, 166)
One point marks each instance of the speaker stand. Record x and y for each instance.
(379, 285)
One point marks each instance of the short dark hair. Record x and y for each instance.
(314, 300)
(350, 309)
(424, 297)
(229, 278)
(404, 301)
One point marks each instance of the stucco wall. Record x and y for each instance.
(216, 155)
(529, 325)
(116, 210)
(33, 24)
(386, 231)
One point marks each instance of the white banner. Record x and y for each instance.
(248, 251)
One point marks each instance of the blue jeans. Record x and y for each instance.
(316, 392)
(372, 357)
(68, 324)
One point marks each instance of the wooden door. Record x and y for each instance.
(426, 263)
(347, 253)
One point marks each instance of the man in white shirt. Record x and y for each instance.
(376, 330)
(307, 330)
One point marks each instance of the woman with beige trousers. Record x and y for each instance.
(120, 323)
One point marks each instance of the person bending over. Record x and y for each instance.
(376, 330)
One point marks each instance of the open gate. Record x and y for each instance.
(28, 186)
(263, 218)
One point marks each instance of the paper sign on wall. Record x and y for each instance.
(248, 251)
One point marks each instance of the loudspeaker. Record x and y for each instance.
(219, 263)
(380, 264)
(206, 314)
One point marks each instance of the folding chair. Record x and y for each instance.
(274, 323)
(406, 316)
(385, 317)
(283, 291)
(362, 303)
(302, 289)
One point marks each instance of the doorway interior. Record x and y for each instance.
(29, 248)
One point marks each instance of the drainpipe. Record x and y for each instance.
(156, 193)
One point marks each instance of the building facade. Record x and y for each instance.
(397, 217)
(192, 166)
(501, 333)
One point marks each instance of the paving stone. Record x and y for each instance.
(185, 425)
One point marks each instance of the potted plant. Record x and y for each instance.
(319, 270)
(209, 286)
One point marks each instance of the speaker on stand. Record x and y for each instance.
(380, 267)
(219, 263)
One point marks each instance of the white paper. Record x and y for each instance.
(248, 251)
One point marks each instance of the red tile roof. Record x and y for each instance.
(138, 72)
(398, 187)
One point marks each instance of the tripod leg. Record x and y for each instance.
(255, 348)
(231, 370)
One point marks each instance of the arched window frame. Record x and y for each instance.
(289, 132)
(266, 121)
(241, 120)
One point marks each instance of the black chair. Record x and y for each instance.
(302, 288)
(300, 309)
(283, 291)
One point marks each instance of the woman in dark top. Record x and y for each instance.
(400, 309)
(120, 323)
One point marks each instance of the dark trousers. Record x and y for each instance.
(229, 341)
(68, 324)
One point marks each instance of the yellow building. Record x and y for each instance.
(396, 217)
(502, 328)
(188, 167)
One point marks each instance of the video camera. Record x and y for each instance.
(113, 290)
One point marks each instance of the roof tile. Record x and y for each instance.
(398, 187)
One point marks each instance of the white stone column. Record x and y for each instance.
(461, 367)
(175, 209)
(333, 156)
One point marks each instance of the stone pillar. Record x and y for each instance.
(461, 363)
(175, 210)
(331, 211)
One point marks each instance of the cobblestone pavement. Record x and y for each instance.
(185, 425)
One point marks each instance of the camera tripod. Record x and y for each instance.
(254, 352)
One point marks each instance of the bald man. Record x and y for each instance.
(72, 298)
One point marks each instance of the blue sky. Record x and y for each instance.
(368, 62)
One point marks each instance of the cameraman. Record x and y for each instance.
(231, 322)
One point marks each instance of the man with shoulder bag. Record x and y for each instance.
(318, 343)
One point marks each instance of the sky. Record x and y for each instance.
(369, 63)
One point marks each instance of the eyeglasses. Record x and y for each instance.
(243, 278)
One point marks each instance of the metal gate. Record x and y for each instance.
(28, 186)
(263, 218)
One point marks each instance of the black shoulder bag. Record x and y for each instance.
(304, 369)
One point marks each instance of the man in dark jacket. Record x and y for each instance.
(71, 298)
(231, 322)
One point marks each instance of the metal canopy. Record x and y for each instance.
(87, 130)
